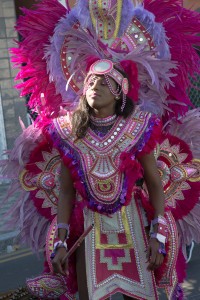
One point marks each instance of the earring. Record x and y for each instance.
(117, 98)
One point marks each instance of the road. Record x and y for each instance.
(21, 264)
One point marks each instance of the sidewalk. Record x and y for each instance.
(7, 236)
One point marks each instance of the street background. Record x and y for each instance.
(18, 263)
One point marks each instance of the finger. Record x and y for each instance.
(65, 266)
(62, 271)
(153, 256)
(150, 266)
(58, 268)
(157, 261)
(161, 259)
(152, 259)
(148, 253)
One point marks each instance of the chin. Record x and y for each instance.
(93, 104)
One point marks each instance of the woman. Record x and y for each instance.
(106, 140)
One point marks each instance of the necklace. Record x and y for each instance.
(103, 121)
(102, 125)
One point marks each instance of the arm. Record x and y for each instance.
(156, 197)
(153, 182)
(66, 199)
(65, 206)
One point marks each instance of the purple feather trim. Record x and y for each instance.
(127, 15)
(82, 14)
(178, 293)
(155, 29)
(154, 75)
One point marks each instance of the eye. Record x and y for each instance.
(91, 83)
(103, 82)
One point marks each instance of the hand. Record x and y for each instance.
(58, 266)
(154, 258)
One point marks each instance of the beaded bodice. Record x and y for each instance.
(99, 157)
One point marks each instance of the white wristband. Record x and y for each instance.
(160, 238)
(60, 244)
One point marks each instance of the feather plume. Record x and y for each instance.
(155, 29)
(23, 216)
(188, 129)
(35, 28)
(189, 225)
(182, 28)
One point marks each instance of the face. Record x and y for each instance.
(98, 94)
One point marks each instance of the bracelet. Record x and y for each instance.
(159, 220)
(161, 249)
(64, 226)
(162, 229)
(60, 244)
(160, 238)
(57, 245)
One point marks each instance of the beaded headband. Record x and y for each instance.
(106, 67)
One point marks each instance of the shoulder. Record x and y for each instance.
(60, 126)
(63, 125)
(148, 118)
(152, 128)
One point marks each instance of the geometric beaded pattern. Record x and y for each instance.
(100, 156)
(175, 174)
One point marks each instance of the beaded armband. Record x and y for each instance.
(162, 229)
(64, 226)
(162, 232)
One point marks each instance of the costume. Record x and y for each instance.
(104, 164)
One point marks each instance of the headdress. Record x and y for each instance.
(146, 38)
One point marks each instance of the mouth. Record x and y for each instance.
(94, 95)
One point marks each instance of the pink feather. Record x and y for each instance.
(35, 27)
(182, 27)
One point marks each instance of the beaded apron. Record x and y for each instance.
(116, 257)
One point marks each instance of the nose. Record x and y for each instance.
(96, 84)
